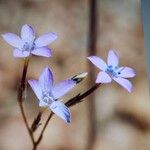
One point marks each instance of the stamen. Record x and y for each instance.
(112, 71)
(28, 46)
(119, 72)
(47, 98)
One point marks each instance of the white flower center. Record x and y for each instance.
(47, 97)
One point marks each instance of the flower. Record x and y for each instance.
(48, 93)
(111, 70)
(27, 44)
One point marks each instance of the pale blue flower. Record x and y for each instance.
(111, 70)
(28, 44)
(48, 93)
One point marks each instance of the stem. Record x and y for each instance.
(20, 97)
(25, 121)
(34, 147)
(45, 125)
(22, 85)
(77, 99)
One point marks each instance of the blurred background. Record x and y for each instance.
(122, 119)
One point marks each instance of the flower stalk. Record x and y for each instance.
(22, 85)
(21, 91)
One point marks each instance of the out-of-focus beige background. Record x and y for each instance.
(123, 119)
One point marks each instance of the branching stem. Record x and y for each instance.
(71, 102)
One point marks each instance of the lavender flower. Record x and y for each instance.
(48, 94)
(111, 70)
(28, 44)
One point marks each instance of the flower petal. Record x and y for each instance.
(36, 88)
(126, 72)
(20, 53)
(124, 83)
(61, 111)
(13, 40)
(46, 80)
(27, 33)
(45, 39)
(43, 51)
(62, 88)
(98, 62)
(103, 77)
(112, 59)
